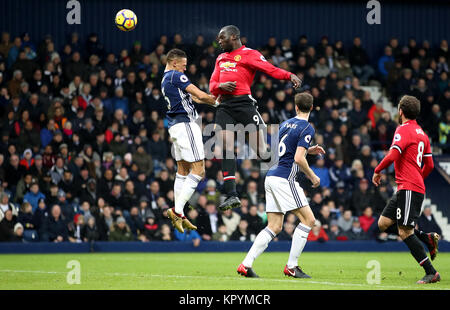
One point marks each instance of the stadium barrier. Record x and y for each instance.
(205, 246)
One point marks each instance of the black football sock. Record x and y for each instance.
(418, 252)
(229, 170)
(422, 236)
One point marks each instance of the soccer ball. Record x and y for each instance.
(126, 20)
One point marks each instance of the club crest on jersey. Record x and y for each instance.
(228, 66)
(237, 57)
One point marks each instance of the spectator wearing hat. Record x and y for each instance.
(55, 227)
(89, 193)
(18, 233)
(335, 232)
(76, 233)
(120, 231)
(427, 222)
(33, 195)
(356, 232)
(211, 192)
(68, 209)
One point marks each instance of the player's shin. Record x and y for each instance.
(259, 245)
(418, 252)
(189, 186)
(298, 244)
(178, 185)
(229, 171)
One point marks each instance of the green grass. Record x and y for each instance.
(171, 271)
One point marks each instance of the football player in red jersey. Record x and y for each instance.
(410, 149)
(231, 80)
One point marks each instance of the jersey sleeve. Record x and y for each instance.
(214, 81)
(258, 62)
(306, 136)
(180, 80)
(401, 139)
(427, 152)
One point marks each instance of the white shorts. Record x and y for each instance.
(187, 142)
(283, 196)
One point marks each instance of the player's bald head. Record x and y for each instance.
(230, 30)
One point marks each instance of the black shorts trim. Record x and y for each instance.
(404, 207)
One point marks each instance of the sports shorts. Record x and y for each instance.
(404, 207)
(187, 142)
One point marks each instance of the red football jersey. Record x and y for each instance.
(413, 144)
(240, 66)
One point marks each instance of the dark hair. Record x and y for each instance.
(175, 53)
(410, 106)
(304, 102)
(232, 30)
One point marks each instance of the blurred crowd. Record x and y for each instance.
(85, 153)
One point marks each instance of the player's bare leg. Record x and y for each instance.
(299, 239)
(229, 170)
(258, 144)
(406, 233)
(273, 228)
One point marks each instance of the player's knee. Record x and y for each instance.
(405, 232)
(276, 228)
(310, 221)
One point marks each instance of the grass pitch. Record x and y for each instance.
(205, 271)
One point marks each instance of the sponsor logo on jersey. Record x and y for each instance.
(237, 57)
(184, 78)
(228, 66)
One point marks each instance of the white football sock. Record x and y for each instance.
(259, 245)
(298, 244)
(178, 185)
(189, 186)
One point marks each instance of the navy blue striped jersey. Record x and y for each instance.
(179, 102)
(293, 133)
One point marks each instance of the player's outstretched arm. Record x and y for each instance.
(200, 96)
(391, 157)
(300, 159)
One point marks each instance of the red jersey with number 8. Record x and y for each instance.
(413, 144)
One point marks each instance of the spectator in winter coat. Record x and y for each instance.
(241, 233)
(7, 227)
(33, 196)
(367, 219)
(231, 220)
(356, 232)
(120, 231)
(322, 172)
(427, 222)
(55, 228)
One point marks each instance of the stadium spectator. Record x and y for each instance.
(345, 221)
(209, 221)
(54, 227)
(356, 232)
(318, 233)
(241, 233)
(221, 234)
(7, 226)
(427, 222)
(120, 231)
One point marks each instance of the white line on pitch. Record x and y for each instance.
(226, 278)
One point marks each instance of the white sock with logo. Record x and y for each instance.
(298, 244)
(189, 186)
(259, 245)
